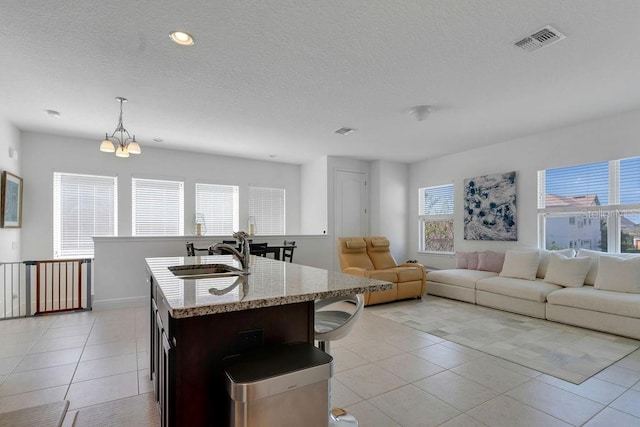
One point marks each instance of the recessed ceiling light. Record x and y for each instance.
(53, 113)
(181, 38)
(158, 139)
(273, 155)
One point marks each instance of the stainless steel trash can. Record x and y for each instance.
(284, 385)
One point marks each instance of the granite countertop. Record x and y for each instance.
(270, 283)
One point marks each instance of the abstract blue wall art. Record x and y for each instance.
(490, 207)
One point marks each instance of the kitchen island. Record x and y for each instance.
(198, 320)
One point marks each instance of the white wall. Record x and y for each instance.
(604, 139)
(10, 139)
(42, 154)
(389, 204)
(313, 197)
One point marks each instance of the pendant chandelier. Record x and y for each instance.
(120, 141)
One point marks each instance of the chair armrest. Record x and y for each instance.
(411, 264)
(356, 271)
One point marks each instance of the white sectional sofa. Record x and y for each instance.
(592, 290)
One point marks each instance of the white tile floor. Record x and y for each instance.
(385, 373)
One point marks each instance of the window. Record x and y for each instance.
(601, 201)
(217, 209)
(436, 218)
(267, 207)
(83, 206)
(157, 207)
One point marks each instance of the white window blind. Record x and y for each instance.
(217, 208)
(157, 207)
(83, 206)
(435, 206)
(267, 206)
(436, 200)
(574, 185)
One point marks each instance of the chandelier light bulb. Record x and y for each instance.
(122, 151)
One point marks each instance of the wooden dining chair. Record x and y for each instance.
(259, 249)
(287, 252)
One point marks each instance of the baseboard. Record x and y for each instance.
(111, 304)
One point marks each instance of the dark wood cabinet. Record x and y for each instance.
(187, 354)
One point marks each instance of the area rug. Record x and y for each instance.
(566, 352)
(139, 411)
(49, 415)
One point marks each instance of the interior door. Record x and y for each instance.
(351, 205)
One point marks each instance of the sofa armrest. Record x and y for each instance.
(356, 271)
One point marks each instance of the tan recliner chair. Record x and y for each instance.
(370, 257)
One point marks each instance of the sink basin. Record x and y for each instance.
(205, 271)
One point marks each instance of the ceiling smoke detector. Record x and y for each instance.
(344, 131)
(544, 37)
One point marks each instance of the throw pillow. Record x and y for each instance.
(565, 271)
(490, 261)
(618, 274)
(593, 270)
(544, 259)
(520, 265)
(468, 260)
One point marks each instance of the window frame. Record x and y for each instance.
(262, 224)
(210, 228)
(58, 215)
(611, 213)
(179, 197)
(440, 216)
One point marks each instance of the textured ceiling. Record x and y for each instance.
(277, 77)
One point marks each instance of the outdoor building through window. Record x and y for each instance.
(83, 206)
(593, 206)
(217, 209)
(436, 218)
(267, 209)
(157, 207)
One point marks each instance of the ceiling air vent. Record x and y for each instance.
(344, 131)
(542, 38)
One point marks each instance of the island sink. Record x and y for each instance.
(204, 271)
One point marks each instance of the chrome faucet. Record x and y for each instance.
(243, 256)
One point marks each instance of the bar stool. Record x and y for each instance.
(330, 325)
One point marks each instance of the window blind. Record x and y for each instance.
(576, 185)
(217, 209)
(267, 206)
(83, 206)
(436, 200)
(157, 207)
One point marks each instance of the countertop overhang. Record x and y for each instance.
(270, 283)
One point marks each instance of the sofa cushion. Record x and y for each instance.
(467, 260)
(618, 274)
(408, 274)
(459, 277)
(543, 262)
(490, 261)
(593, 269)
(386, 275)
(569, 272)
(589, 298)
(532, 290)
(520, 265)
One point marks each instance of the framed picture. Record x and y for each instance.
(490, 207)
(11, 205)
